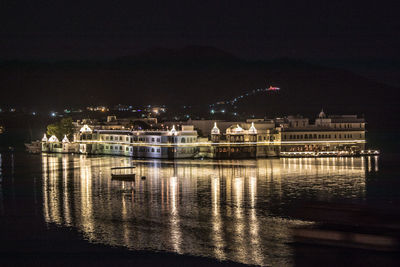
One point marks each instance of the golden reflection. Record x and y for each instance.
(86, 195)
(174, 219)
(239, 235)
(45, 178)
(369, 164)
(376, 163)
(51, 190)
(256, 249)
(221, 209)
(217, 234)
(124, 214)
(66, 207)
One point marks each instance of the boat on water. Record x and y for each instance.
(34, 147)
(123, 173)
(348, 225)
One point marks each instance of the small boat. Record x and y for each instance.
(34, 147)
(123, 173)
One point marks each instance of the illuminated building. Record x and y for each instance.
(142, 144)
(292, 136)
(344, 133)
(246, 140)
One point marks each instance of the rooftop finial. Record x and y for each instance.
(322, 114)
(173, 130)
(215, 130)
(253, 129)
(65, 139)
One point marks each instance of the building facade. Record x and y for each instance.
(138, 143)
(290, 136)
(342, 134)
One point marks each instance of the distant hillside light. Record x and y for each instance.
(273, 88)
(53, 114)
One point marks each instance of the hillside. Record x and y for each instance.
(195, 75)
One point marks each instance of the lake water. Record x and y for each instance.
(228, 210)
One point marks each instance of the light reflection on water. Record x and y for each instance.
(221, 209)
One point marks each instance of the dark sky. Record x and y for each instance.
(358, 35)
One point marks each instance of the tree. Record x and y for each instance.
(54, 129)
(67, 128)
(61, 128)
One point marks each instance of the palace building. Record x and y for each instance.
(289, 136)
(344, 133)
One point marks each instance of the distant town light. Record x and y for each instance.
(223, 111)
(212, 111)
(273, 88)
(53, 114)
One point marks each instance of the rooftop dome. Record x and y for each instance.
(322, 114)
(53, 139)
(215, 130)
(252, 129)
(85, 129)
(238, 129)
(44, 139)
(65, 139)
(173, 130)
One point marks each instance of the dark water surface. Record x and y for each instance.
(226, 210)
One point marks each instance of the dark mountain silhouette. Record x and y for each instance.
(188, 54)
(198, 76)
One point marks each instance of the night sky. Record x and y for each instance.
(363, 36)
